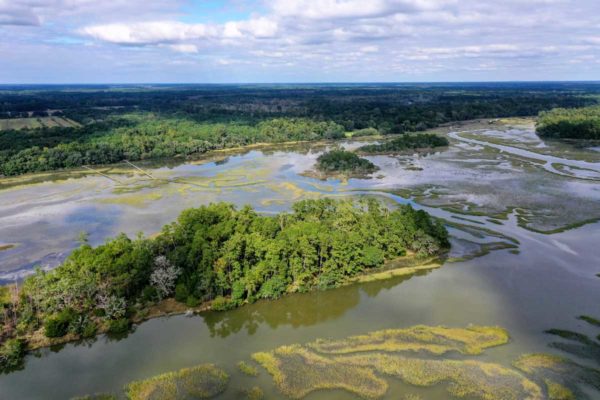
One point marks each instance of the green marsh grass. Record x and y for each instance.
(200, 382)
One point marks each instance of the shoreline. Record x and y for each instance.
(404, 266)
(43, 176)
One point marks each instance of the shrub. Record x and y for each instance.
(273, 288)
(11, 354)
(181, 293)
(89, 330)
(118, 326)
(57, 325)
(222, 304)
(191, 301)
(149, 294)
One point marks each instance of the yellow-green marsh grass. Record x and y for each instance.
(466, 379)
(254, 393)
(556, 391)
(298, 372)
(134, 200)
(247, 369)
(200, 382)
(432, 339)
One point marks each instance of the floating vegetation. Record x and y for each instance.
(556, 391)
(564, 375)
(247, 369)
(255, 393)
(432, 339)
(4, 247)
(203, 381)
(298, 372)
(578, 344)
(470, 378)
(134, 200)
(481, 249)
(590, 320)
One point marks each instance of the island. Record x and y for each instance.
(214, 256)
(342, 164)
(422, 142)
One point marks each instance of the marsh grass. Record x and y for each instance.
(431, 339)
(466, 379)
(200, 382)
(564, 375)
(247, 369)
(590, 320)
(254, 393)
(298, 372)
(577, 343)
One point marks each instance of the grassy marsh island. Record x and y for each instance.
(358, 365)
(215, 255)
(342, 164)
(421, 142)
(200, 382)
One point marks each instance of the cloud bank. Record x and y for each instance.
(299, 40)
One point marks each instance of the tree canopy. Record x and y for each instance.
(217, 252)
(576, 123)
(407, 142)
(344, 162)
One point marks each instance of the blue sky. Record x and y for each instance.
(121, 41)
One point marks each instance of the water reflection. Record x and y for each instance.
(297, 310)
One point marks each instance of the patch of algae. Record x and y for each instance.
(200, 382)
(289, 192)
(134, 200)
(561, 376)
(298, 372)
(556, 391)
(432, 339)
(247, 369)
(254, 393)
(467, 379)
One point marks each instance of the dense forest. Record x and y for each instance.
(420, 141)
(152, 121)
(578, 123)
(139, 137)
(344, 163)
(214, 253)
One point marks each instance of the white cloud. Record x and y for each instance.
(149, 32)
(312, 37)
(171, 31)
(184, 48)
(333, 9)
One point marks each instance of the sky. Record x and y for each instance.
(237, 41)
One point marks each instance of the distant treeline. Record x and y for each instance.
(144, 136)
(138, 122)
(577, 123)
(214, 253)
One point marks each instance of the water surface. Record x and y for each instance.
(546, 285)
